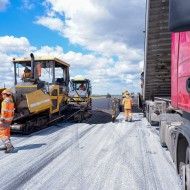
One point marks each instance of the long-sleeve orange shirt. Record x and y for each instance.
(7, 110)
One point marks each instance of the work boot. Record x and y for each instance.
(3, 148)
(10, 150)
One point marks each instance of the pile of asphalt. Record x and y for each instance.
(99, 117)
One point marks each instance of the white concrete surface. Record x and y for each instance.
(118, 155)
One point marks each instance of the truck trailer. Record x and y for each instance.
(166, 80)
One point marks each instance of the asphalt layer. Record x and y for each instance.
(99, 117)
(80, 156)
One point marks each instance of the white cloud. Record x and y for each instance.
(106, 74)
(3, 5)
(52, 23)
(10, 44)
(27, 5)
(104, 27)
(108, 29)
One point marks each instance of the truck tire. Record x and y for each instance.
(186, 177)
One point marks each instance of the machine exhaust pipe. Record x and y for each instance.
(32, 65)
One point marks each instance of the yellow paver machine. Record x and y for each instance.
(80, 100)
(40, 96)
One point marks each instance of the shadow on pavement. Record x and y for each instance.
(30, 146)
(99, 117)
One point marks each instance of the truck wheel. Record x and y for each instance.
(186, 177)
(181, 169)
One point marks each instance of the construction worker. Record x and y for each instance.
(7, 113)
(26, 73)
(38, 70)
(82, 87)
(128, 103)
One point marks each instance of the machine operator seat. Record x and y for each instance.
(60, 81)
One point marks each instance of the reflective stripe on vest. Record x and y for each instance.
(7, 118)
(6, 110)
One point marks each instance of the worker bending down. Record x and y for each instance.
(7, 113)
(128, 104)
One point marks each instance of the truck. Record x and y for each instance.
(166, 78)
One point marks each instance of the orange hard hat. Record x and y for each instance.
(7, 91)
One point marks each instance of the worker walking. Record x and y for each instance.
(7, 113)
(128, 103)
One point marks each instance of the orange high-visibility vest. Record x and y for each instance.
(7, 110)
(128, 103)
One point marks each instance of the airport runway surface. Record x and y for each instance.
(121, 155)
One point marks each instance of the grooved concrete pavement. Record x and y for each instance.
(108, 156)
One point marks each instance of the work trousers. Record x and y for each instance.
(5, 135)
(128, 113)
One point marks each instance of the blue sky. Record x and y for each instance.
(101, 40)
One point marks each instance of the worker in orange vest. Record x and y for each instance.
(7, 113)
(128, 104)
(26, 73)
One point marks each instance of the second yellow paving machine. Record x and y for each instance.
(80, 100)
